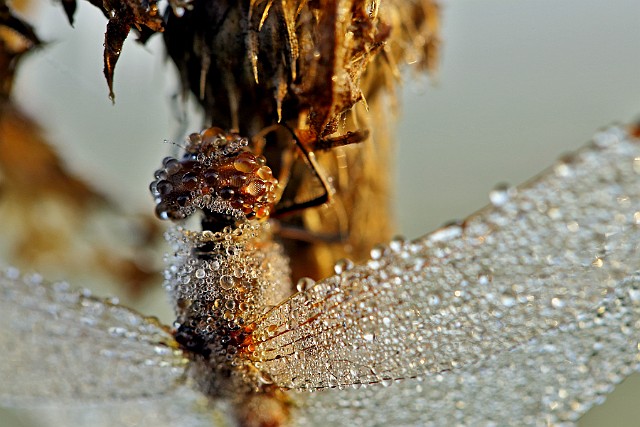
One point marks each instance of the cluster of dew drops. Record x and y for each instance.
(216, 173)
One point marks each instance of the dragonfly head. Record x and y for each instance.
(217, 175)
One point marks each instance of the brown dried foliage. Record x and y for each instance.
(123, 15)
(42, 204)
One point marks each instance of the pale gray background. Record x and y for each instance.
(519, 84)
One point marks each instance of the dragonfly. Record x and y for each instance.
(396, 395)
(539, 291)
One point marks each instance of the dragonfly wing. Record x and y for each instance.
(183, 407)
(60, 344)
(551, 379)
(543, 256)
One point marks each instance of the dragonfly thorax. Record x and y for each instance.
(221, 283)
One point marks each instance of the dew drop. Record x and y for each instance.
(210, 135)
(573, 227)
(153, 188)
(195, 138)
(245, 164)
(160, 174)
(397, 243)
(343, 265)
(264, 172)
(200, 273)
(263, 212)
(237, 180)
(433, 299)
(182, 201)
(507, 300)
(483, 279)
(374, 264)
(554, 214)
(500, 195)
(562, 169)
(378, 251)
(64, 287)
(111, 300)
(211, 176)
(264, 379)
(634, 294)
(227, 193)
(447, 233)
(304, 283)
(172, 165)
(226, 282)
(189, 179)
(606, 138)
(162, 211)
(163, 187)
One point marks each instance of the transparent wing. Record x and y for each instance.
(60, 344)
(184, 407)
(554, 378)
(542, 257)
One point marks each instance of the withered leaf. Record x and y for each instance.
(123, 15)
(69, 7)
(16, 38)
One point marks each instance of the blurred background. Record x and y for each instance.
(519, 84)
